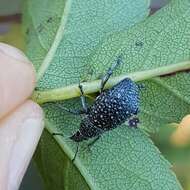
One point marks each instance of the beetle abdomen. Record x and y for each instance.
(115, 106)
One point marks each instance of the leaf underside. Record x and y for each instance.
(79, 40)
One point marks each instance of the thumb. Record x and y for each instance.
(19, 135)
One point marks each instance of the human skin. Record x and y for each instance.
(21, 120)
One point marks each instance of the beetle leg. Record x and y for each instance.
(141, 86)
(61, 134)
(133, 122)
(106, 77)
(92, 142)
(74, 112)
(83, 100)
(77, 150)
(89, 145)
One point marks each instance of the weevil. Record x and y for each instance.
(110, 109)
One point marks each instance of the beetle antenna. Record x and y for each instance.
(63, 108)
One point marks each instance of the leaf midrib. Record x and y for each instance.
(72, 91)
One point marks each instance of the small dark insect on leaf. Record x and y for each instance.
(110, 109)
(139, 43)
(49, 20)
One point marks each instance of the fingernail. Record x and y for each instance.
(13, 52)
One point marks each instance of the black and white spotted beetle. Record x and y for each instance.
(110, 109)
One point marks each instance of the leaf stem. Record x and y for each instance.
(72, 91)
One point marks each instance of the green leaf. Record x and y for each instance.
(75, 40)
(122, 159)
(14, 36)
(61, 41)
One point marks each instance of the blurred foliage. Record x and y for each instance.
(9, 7)
(179, 156)
(14, 36)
